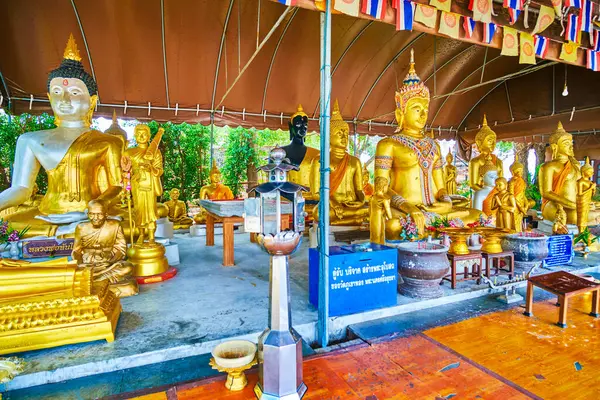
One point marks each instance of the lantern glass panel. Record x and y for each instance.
(269, 213)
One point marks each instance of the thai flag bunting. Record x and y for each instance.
(592, 60)
(469, 26)
(541, 46)
(514, 4)
(573, 27)
(573, 3)
(596, 40)
(404, 15)
(488, 31)
(374, 8)
(290, 3)
(587, 12)
(514, 15)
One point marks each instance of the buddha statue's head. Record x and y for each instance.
(298, 125)
(517, 169)
(338, 128)
(215, 174)
(174, 194)
(501, 184)
(71, 90)
(485, 138)
(96, 213)
(561, 142)
(381, 185)
(412, 101)
(449, 158)
(587, 171)
(141, 132)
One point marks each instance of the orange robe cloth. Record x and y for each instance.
(337, 175)
(558, 181)
(487, 203)
(222, 192)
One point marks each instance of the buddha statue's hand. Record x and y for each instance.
(353, 204)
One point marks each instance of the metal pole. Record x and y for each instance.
(212, 137)
(322, 325)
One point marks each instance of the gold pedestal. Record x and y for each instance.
(492, 238)
(236, 378)
(33, 325)
(148, 259)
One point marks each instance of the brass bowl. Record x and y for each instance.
(492, 238)
(458, 239)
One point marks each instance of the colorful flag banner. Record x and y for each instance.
(514, 15)
(596, 40)
(573, 3)
(544, 20)
(568, 52)
(514, 4)
(557, 6)
(426, 15)
(349, 7)
(541, 46)
(482, 10)
(489, 29)
(404, 15)
(374, 8)
(526, 49)
(469, 26)
(587, 13)
(573, 27)
(449, 24)
(443, 5)
(510, 43)
(592, 60)
(290, 3)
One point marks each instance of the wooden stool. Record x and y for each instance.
(492, 260)
(475, 272)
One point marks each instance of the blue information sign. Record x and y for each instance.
(560, 250)
(361, 277)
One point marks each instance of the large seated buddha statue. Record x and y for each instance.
(558, 180)
(82, 163)
(412, 162)
(346, 197)
(216, 190)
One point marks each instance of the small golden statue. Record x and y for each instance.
(100, 245)
(178, 211)
(504, 205)
(346, 198)
(560, 222)
(379, 210)
(450, 172)
(586, 189)
(367, 187)
(214, 191)
(519, 185)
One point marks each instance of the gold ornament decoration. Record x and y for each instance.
(71, 52)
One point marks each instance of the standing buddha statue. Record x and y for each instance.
(177, 211)
(504, 205)
(519, 185)
(450, 173)
(367, 187)
(485, 163)
(412, 162)
(214, 191)
(586, 189)
(346, 198)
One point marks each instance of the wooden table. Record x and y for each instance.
(492, 260)
(564, 285)
(228, 222)
(474, 274)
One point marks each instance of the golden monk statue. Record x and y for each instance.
(214, 191)
(412, 162)
(178, 211)
(485, 163)
(299, 154)
(379, 210)
(558, 180)
(100, 245)
(560, 222)
(450, 173)
(504, 205)
(82, 164)
(519, 186)
(367, 187)
(346, 196)
(586, 189)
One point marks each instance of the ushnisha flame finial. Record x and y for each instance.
(299, 112)
(412, 86)
(484, 123)
(71, 51)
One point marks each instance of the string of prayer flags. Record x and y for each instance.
(489, 29)
(442, 5)
(527, 52)
(289, 3)
(374, 8)
(513, 15)
(573, 28)
(449, 24)
(568, 52)
(586, 15)
(426, 15)
(573, 3)
(544, 19)
(404, 15)
(557, 6)
(514, 9)
(541, 46)
(482, 10)
(510, 44)
(469, 26)
(592, 60)
(349, 7)
(596, 40)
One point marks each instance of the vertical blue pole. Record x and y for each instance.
(322, 324)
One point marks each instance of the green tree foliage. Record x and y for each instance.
(239, 153)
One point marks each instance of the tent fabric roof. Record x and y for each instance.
(134, 62)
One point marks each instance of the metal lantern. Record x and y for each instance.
(279, 346)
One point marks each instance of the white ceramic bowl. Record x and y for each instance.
(234, 353)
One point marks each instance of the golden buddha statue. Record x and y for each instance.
(82, 164)
(504, 205)
(379, 210)
(558, 180)
(100, 245)
(178, 211)
(299, 154)
(346, 198)
(214, 191)
(519, 185)
(367, 187)
(485, 163)
(560, 221)
(586, 189)
(412, 162)
(450, 173)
